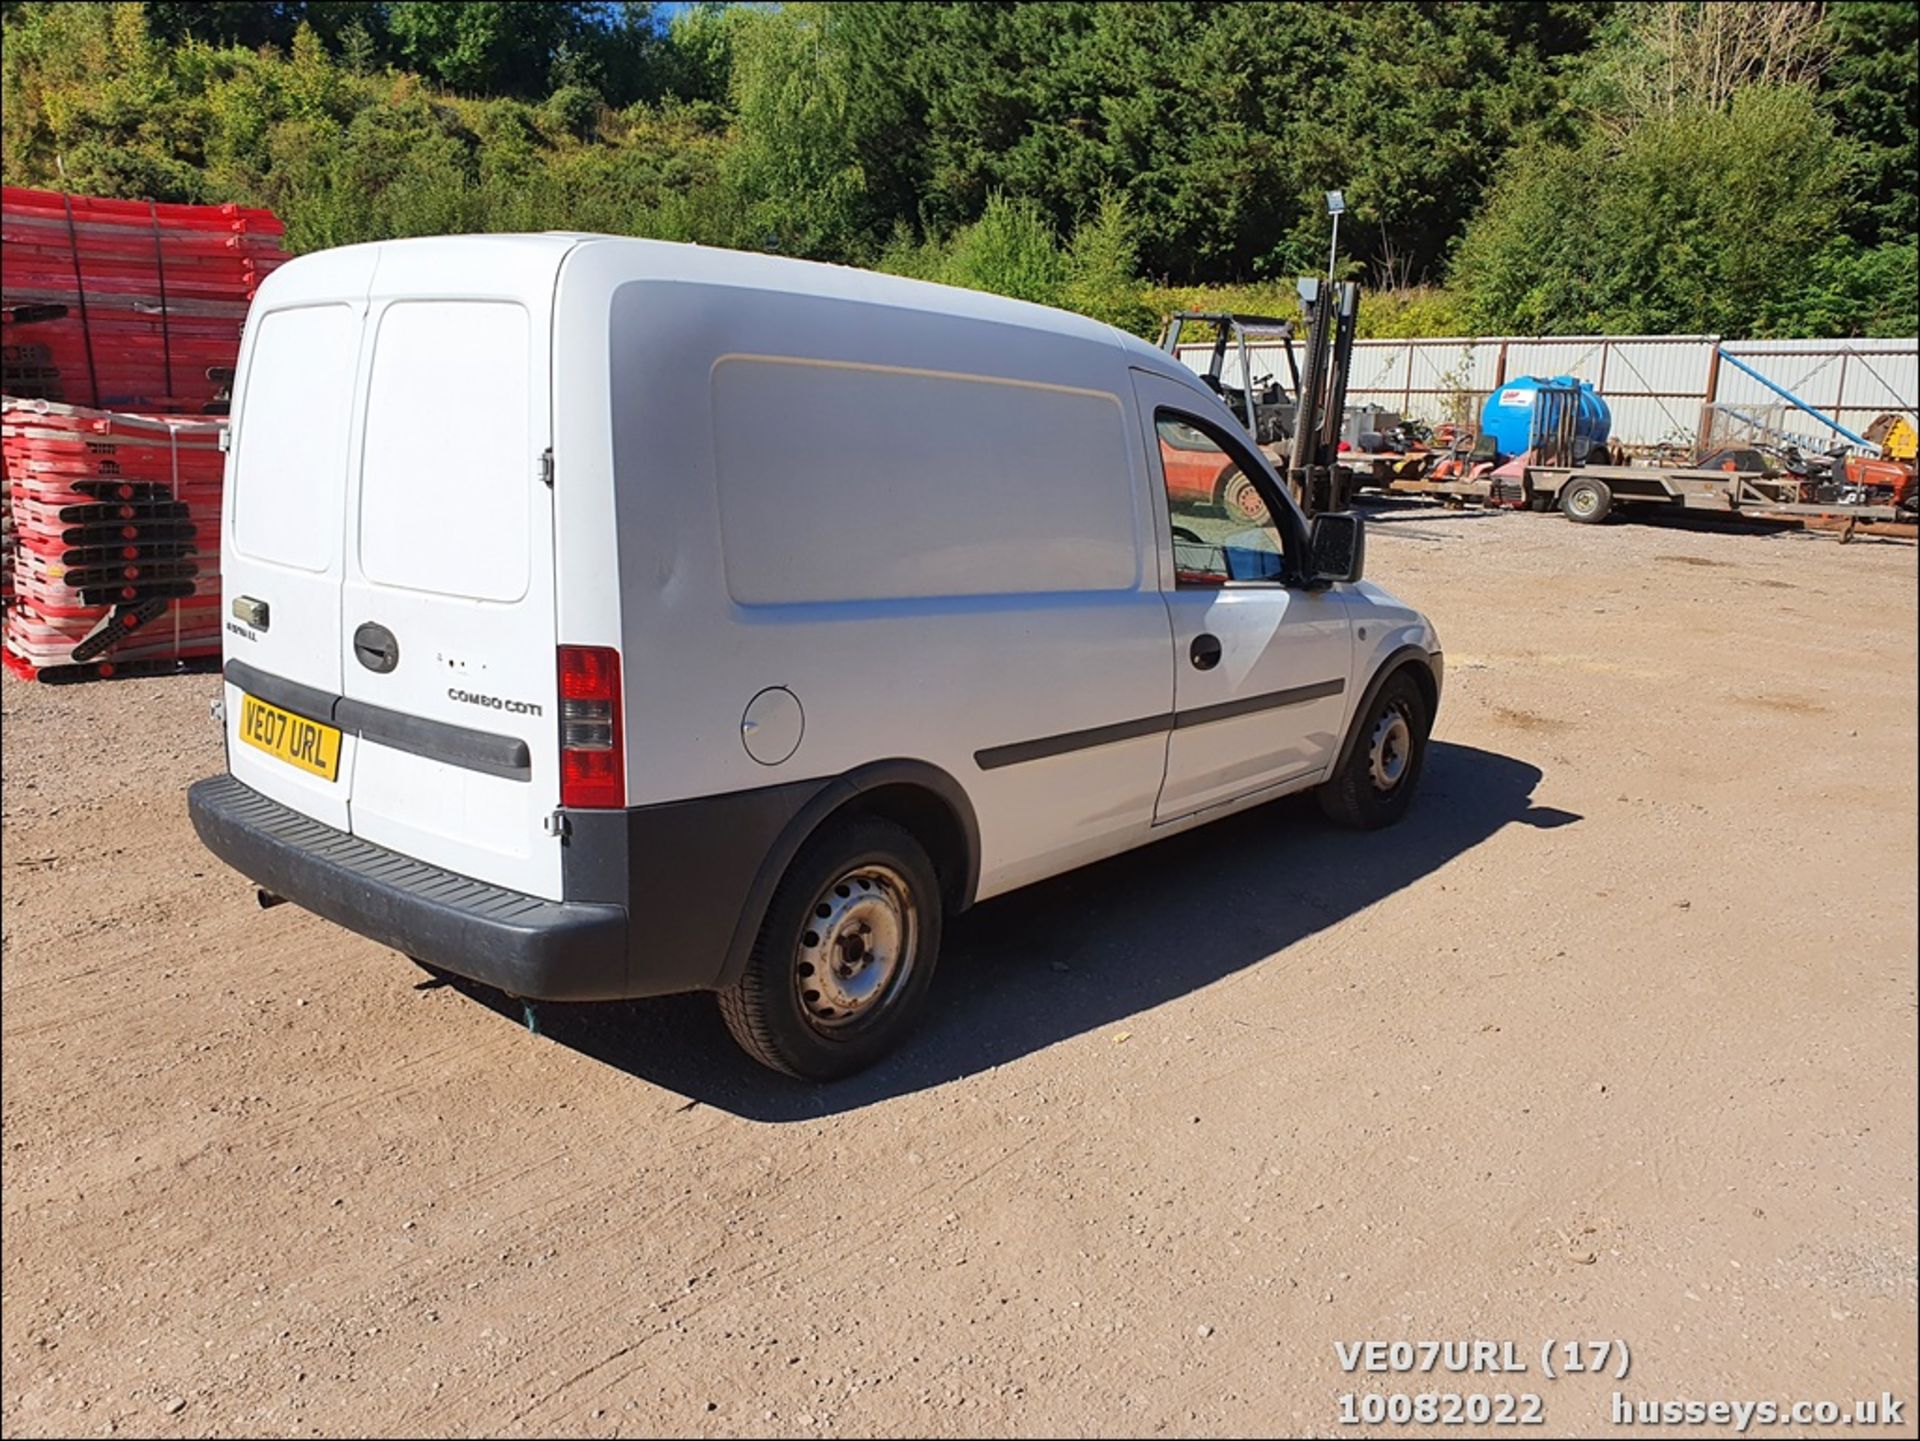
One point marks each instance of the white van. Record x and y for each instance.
(609, 618)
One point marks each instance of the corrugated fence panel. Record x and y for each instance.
(1656, 385)
(1445, 366)
(1888, 380)
(1673, 368)
(1643, 420)
(1856, 381)
(1814, 376)
(1578, 358)
(1379, 368)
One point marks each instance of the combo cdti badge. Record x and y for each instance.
(609, 618)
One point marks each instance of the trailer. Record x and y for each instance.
(1564, 467)
(1588, 494)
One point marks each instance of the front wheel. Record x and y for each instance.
(1376, 783)
(840, 969)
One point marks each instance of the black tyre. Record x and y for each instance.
(840, 969)
(1376, 784)
(1586, 500)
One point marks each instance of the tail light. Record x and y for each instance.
(593, 771)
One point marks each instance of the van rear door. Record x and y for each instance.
(446, 647)
(282, 551)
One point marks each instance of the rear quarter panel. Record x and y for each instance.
(932, 677)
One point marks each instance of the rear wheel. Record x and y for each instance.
(1376, 784)
(840, 969)
(1586, 501)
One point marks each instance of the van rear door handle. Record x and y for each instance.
(1204, 652)
(375, 648)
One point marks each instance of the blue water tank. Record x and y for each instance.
(1508, 414)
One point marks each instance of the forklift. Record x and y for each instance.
(1297, 428)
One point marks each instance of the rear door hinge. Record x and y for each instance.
(546, 467)
(557, 825)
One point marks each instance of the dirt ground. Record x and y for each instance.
(1613, 1038)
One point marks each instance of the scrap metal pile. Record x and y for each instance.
(122, 326)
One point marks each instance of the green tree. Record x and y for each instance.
(1222, 124)
(1696, 222)
(799, 181)
(696, 56)
(1571, 165)
(1872, 91)
(1849, 290)
(1103, 269)
(489, 47)
(1010, 250)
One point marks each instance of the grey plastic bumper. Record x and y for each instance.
(542, 950)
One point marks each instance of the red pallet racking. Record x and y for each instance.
(122, 323)
(114, 525)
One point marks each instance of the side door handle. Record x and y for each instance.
(1204, 652)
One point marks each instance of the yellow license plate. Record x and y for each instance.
(294, 739)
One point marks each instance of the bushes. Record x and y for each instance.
(1848, 290)
(94, 104)
(1012, 250)
(1103, 264)
(1705, 220)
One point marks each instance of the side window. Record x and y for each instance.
(1222, 529)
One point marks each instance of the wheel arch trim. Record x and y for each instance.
(1397, 661)
(835, 796)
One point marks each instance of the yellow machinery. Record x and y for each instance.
(1895, 436)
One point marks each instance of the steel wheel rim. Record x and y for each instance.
(1243, 499)
(856, 948)
(1390, 749)
(1584, 501)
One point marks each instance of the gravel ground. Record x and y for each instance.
(1614, 1037)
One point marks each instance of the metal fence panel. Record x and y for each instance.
(1441, 367)
(1675, 369)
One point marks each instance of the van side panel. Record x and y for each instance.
(883, 500)
(995, 594)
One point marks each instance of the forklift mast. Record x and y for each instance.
(1314, 474)
(1301, 432)
(1265, 419)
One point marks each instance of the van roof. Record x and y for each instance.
(673, 260)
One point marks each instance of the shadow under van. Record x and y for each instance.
(1131, 933)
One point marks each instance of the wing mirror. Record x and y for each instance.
(1336, 547)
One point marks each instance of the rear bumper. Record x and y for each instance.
(542, 950)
